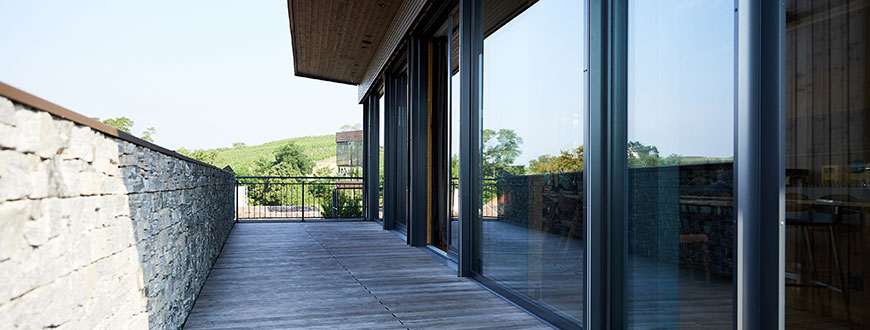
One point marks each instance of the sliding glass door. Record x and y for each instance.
(680, 263)
(531, 215)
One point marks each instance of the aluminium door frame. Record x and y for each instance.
(396, 84)
(759, 164)
(389, 157)
(371, 150)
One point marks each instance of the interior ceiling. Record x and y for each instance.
(335, 39)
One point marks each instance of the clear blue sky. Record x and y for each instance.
(210, 73)
(681, 76)
(205, 74)
(533, 78)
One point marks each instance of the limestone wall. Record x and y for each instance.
(100, 233)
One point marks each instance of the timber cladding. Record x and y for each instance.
(336, 40)
(827, 94)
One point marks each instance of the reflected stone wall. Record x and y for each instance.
(100, 233)
(551, 203)
(683, 215)
(680, 214)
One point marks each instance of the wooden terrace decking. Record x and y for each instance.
(341, 275)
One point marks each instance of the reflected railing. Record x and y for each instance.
(695, 200)
(489, 196)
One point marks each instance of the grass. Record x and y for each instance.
(243, 159)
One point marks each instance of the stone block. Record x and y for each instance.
(8, 136)
(66, 177)
(90, 183)
(13, 214)
(81, 145)
(15, 177)
(7, 112)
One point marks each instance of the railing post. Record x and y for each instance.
(303, 200)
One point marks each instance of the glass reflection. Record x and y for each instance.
(680, 158)
(827, 272)
(531, 217)
(381, 129)
(453, 191)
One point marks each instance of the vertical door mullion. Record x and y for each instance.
(471, 77)
(389, 155)
(418, 130)
(365, 160)
(618, 155)
(596, 166)
(372, 152)
(759, 165)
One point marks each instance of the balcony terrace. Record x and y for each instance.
(340, 275)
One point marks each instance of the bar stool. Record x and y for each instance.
(826, 212)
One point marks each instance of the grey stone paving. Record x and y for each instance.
(340, 275)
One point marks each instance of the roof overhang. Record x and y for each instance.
(335, 40)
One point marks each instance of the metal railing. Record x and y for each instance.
(298, 198)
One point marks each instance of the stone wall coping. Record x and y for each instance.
(38, 103)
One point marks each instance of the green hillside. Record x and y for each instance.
(243, 158)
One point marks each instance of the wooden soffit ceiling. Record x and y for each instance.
(335, 40)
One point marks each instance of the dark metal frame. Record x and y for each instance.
(759, 132)
(418, 121)
(389, 158)
(471, 84)
(396, 149)
(371, 149)
(604, 162)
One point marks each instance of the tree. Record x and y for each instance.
(205, 156)
(567, 161)
(126, 124)
(289, 160)
(148, 134)
(640, 155)
(121, 123)
(500, 149)
(348, 127)
(238, 144)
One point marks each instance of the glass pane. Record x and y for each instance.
(381, 129)
(532, 154)
(827, 239)
(453, 212)
(680, 157)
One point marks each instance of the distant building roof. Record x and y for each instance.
(348, 136)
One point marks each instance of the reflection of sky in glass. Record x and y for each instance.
(680, 76)
(533, 78)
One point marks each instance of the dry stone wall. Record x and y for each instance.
(100, 233)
